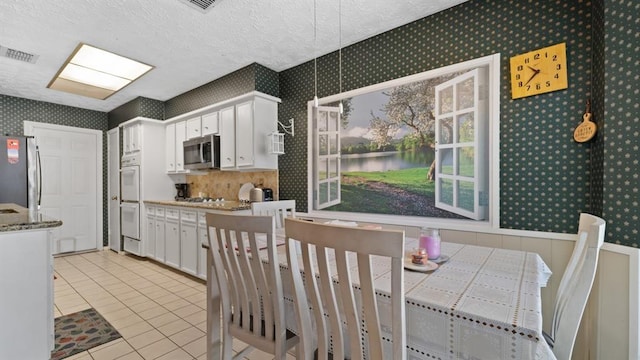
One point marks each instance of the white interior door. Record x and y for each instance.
(113, 153)
(71, 183)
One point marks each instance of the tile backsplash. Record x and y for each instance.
(226, 184)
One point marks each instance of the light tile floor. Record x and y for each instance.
(160, 312)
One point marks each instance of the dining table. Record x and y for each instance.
(479, 303)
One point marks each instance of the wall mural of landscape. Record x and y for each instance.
(387, 157)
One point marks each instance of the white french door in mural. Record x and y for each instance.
(462, 158)
(326, 177)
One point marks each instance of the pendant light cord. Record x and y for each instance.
(340, 106)
(340, 45)
(315, 40)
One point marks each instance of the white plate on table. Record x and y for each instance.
(245, 191)
(441, 259)
(429, 266)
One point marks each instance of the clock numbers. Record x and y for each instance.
(539, 71)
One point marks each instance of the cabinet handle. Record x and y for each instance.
(206, 128)
(242, 157)
(196, 130)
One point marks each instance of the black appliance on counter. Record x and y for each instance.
(182, 192)
(267, 194)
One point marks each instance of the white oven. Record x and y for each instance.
(130, 203)
(130, 219)
(130, 183)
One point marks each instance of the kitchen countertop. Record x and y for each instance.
(228, 205)
(23, 219)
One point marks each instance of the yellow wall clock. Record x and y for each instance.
(539, 71)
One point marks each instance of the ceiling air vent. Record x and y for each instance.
(18, 55)
(202, 5)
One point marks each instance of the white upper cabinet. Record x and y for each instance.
(170, 147)
(206, 124)
(193, 128)
(181, 136)
(243, 123)
(210, 123)
(245, 135)
(131, 138)
(227, 138)
(244, 130)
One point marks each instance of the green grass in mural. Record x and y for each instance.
(371, 202)
(413, 180)
(382, 192)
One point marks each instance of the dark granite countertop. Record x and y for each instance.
(16, 218)
(229, 205)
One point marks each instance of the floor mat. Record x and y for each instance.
(80, 331)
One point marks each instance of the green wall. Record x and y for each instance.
(249, 78)
(620, 177)
(14, 111)
(546, 178)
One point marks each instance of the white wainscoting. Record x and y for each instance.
(610, 328)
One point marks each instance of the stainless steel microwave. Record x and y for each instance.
(202, 152)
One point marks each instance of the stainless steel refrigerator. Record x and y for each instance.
(19, 171)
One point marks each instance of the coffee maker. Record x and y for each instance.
(182, 191)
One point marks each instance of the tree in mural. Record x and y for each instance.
(412, 106)
(347, 108)
(382, 131)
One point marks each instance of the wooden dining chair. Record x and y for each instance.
(279, 209)
(575, 286)
(341, 315)
(250, 290)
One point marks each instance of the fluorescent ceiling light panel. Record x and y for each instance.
(93, 77)
(99, 69)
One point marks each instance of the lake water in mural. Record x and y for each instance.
(385, 161)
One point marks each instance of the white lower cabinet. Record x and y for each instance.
(26, 303)
(160, 234)
(177, 236)
(188, 242)
(151, 232)
(172, 238)
(202, 239)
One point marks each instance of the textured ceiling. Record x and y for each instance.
(187, 47)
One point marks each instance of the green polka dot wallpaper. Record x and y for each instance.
(140, 106)
(546, 178)
(237, 83)
(14, 111)
(621, 168)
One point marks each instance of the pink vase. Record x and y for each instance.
(430, 240)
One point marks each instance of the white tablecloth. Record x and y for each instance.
(484, 303)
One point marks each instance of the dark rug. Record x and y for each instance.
(80, 331)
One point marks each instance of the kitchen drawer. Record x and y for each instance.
(132, 245)
(160, 212)
(173, 214)
(189, 216)
(202, 219)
